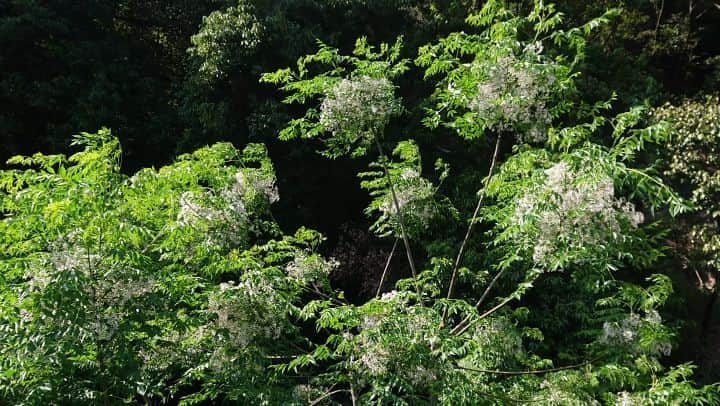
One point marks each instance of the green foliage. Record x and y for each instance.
(416, 196)
(573, 209)
(502, 78)
(115, 287)
(354, 110)
(176, 285)
(225, 39)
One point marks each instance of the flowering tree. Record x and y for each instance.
(176, 285)
(561, 210)
(116, 288)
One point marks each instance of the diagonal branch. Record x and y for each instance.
(327, 395)
(532, 372)
(387, 266)
(490, 286)
(473, 220)
(465, 324)
(406, 241)
(479, 302)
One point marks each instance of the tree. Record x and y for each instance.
(555, 214)
(118, 288)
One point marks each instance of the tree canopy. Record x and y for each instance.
(359, 202)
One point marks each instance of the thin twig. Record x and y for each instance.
(387, 266)
(532, 372)
(473, 220)
(321, 294)
(406, 241)
(482, 298)
(321, 398)
(149, 245)
(490, 286)
(465, 324)
(658, 13)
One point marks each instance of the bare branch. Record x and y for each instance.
(531, 372)
(387, 266)
(406, 241)
(473, 220)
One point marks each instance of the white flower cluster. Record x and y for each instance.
(67, 253)
(587, 213)
(256, 183)
(306, 267)
(64, 255)
(414, 198)
(374, 357)
(173, 348)
(123, 290)
(513, 93)
(627, 333)
(248, 311)
(557, 392)
(109, 288)
(355, 108)
(385, 339)
(25, 316)
(192, 210)
(112, 300)
(226, 208)
(625, 399)
(390, 296)
(496, 342)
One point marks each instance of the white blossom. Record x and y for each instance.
(555, 393)
(248, 311)
(192, 210)
(375, 360)
(25, 316)
(584, 212)
(230, 207)
(534, 48)
(67, 253)
(627, 332)
(357, 107)
(625, 399)
(379, 354)
(255, 182)
(38, 278)
(306, 266)
(225, 210)
(414, 196)
(109, 287)
(512, 94)
(496, 337)
(420, 375)
(371, 322)
(389, 296)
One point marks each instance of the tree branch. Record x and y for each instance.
(473, 220)
(387, 266)
(406, 241)
(465, 324)
(532, 372)
(320, 399)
